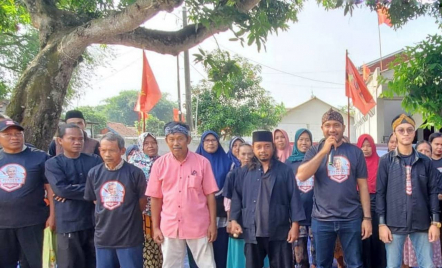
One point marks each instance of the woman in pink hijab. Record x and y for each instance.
(282, 143)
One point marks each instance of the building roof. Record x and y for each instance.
(311, 99)
(386, 60)
(122, 130)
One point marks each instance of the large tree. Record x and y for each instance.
(67, 27)
(247, 107)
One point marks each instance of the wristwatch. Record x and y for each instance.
(437, 224)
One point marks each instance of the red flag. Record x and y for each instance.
(176, 115)
(365, 72)
(356, 89)
(383, 16)
(150, 93)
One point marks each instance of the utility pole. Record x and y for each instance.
(187, 79)
(179, 88)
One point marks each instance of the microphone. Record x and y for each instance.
(331, 155)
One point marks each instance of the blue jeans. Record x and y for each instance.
(120, 257)
(422, 247)
(325, 233)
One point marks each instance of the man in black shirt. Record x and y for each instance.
(118, 189)
(406, 198)
(90, 146)
(67, 173)
(23, 211)
(266, 199)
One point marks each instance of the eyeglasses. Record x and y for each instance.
(210, 141)
(402, 131)
(10, 135)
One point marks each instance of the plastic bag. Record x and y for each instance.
(49, 249)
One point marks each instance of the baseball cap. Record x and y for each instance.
(5, 124)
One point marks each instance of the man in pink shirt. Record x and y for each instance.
(182, 187)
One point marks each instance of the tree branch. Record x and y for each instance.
(164, 42)
(246, 5)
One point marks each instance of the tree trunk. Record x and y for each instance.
(38, 98)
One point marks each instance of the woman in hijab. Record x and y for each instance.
(130, 151)
(303, 142)
(233, 152)
(144, 158)
(211, 148)
(392, 142)
(282, 143)
(373, 249)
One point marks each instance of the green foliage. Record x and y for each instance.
(153, 125)
(248, 106)
(12, 13)
(120, 108)
(92, 115)
(418, 78)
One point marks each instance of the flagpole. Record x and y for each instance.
(144, 122)
(380, 45)
(348, 97)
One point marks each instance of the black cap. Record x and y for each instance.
(262, 135)
(5, 124)
(73, 114)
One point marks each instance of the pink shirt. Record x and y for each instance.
(183, 188)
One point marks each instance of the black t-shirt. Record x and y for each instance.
(119, 222)
(335, 194)
(438, 164)
(22, 190)
(306, 192)
(408, 161)
(67, 177)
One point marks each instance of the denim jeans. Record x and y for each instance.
(422, 247)
(325, 233)
(120, 257)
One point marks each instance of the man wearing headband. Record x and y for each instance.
(338, 208)
(406, 198)
(182, 187)
(267, 201)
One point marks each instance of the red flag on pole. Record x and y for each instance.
(356, 89)
(365, 72)
(383, 16)
(176, 115)
(150, 93)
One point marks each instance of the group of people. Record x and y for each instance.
(257, 205)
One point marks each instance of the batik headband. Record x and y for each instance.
(332, 115)
(176, 129)
(403, 118)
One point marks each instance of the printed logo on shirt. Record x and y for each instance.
(440, 169)
(12, 177)
(408, 187)
(112, 194)
(306, 186)
(340, 170)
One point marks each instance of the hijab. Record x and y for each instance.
(286, 152)
(373, 160)
(140, 159)
(219, 160)
(230, 154)
(297, 155)
(131, 148)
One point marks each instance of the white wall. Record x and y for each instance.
(309, 115)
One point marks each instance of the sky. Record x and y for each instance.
(313, 48)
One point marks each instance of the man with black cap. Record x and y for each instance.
(338, 209)
(406, 198)
(91, 146)
(267, 203)
(24, 213)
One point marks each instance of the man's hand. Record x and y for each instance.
(229, 227)
(236, 229)
(385, 234)
(158, 236)
(58, 198)
(328, 143)
(293, 234)
(433, 233)
(50, 222)
(366, 229)
(439, 196)
(212, 232)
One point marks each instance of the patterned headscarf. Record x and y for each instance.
(140, 159)
(402, 119)
(332, 115)
(230, 154)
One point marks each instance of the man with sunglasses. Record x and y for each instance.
(406, 198)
